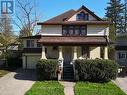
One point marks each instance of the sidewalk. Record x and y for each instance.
(122, 83)
(68, 87)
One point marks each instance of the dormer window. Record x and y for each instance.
(82, 16)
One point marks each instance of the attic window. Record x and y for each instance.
(82, 16)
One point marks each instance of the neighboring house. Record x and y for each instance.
(75, 34)
(14, 50)
(121, 49)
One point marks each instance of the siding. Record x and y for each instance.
(51, 30)
(97, 30)
(94, 52)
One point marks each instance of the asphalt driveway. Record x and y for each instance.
(18, 82)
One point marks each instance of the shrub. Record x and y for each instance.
(96, 70)
(46, 69)
(14, 62)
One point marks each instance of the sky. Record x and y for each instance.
(51, 8)
(47, 9)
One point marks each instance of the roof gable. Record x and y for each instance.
(92, 16)
(89, 11)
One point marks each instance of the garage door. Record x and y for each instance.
(32, 61)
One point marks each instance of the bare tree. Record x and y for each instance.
(26, 17)
(7, 36)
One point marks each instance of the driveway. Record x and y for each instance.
(18, 82)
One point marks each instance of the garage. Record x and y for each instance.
(29, 62)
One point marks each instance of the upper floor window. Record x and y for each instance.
(82, 16)
(30, 43)
(74, 30)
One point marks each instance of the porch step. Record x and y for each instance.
(68, 72)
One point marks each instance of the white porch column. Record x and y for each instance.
(60, 63)
(43, 53)
(60, 53)
(75, 53)
(106, 53)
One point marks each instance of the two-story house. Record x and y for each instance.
(75, 34)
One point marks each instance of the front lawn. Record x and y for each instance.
(46, 88)
(87, 88)
(3, 72)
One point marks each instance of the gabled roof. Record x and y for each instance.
(62, 19)
(90, 12)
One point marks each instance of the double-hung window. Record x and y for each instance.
(30, 43)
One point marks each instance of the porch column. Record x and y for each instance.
(60, 59)
(75, 53)
(60, 53)
(43, 53)
(106, 53)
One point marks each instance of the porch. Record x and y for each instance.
(68, 49)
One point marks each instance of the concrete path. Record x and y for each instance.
(122, 83)
(17, 83)
(68, 87)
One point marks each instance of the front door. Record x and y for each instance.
(67, 54)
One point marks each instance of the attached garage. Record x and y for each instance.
(30, 61)
(30, 57)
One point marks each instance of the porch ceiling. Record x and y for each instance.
(73, 40)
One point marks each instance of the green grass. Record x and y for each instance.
(87, 88)
(46, 88)
(3, 72)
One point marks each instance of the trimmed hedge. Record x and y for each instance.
(96, 70)
(14, 62)
(46, 69)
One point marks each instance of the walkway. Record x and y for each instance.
(17, 83)
(68, 87)
(122, 83)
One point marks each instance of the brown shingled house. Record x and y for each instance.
(75, 34)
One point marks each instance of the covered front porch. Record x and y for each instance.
(72, 48)
(70, 53)
(69, 49)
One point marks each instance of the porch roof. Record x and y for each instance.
(73, 40)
